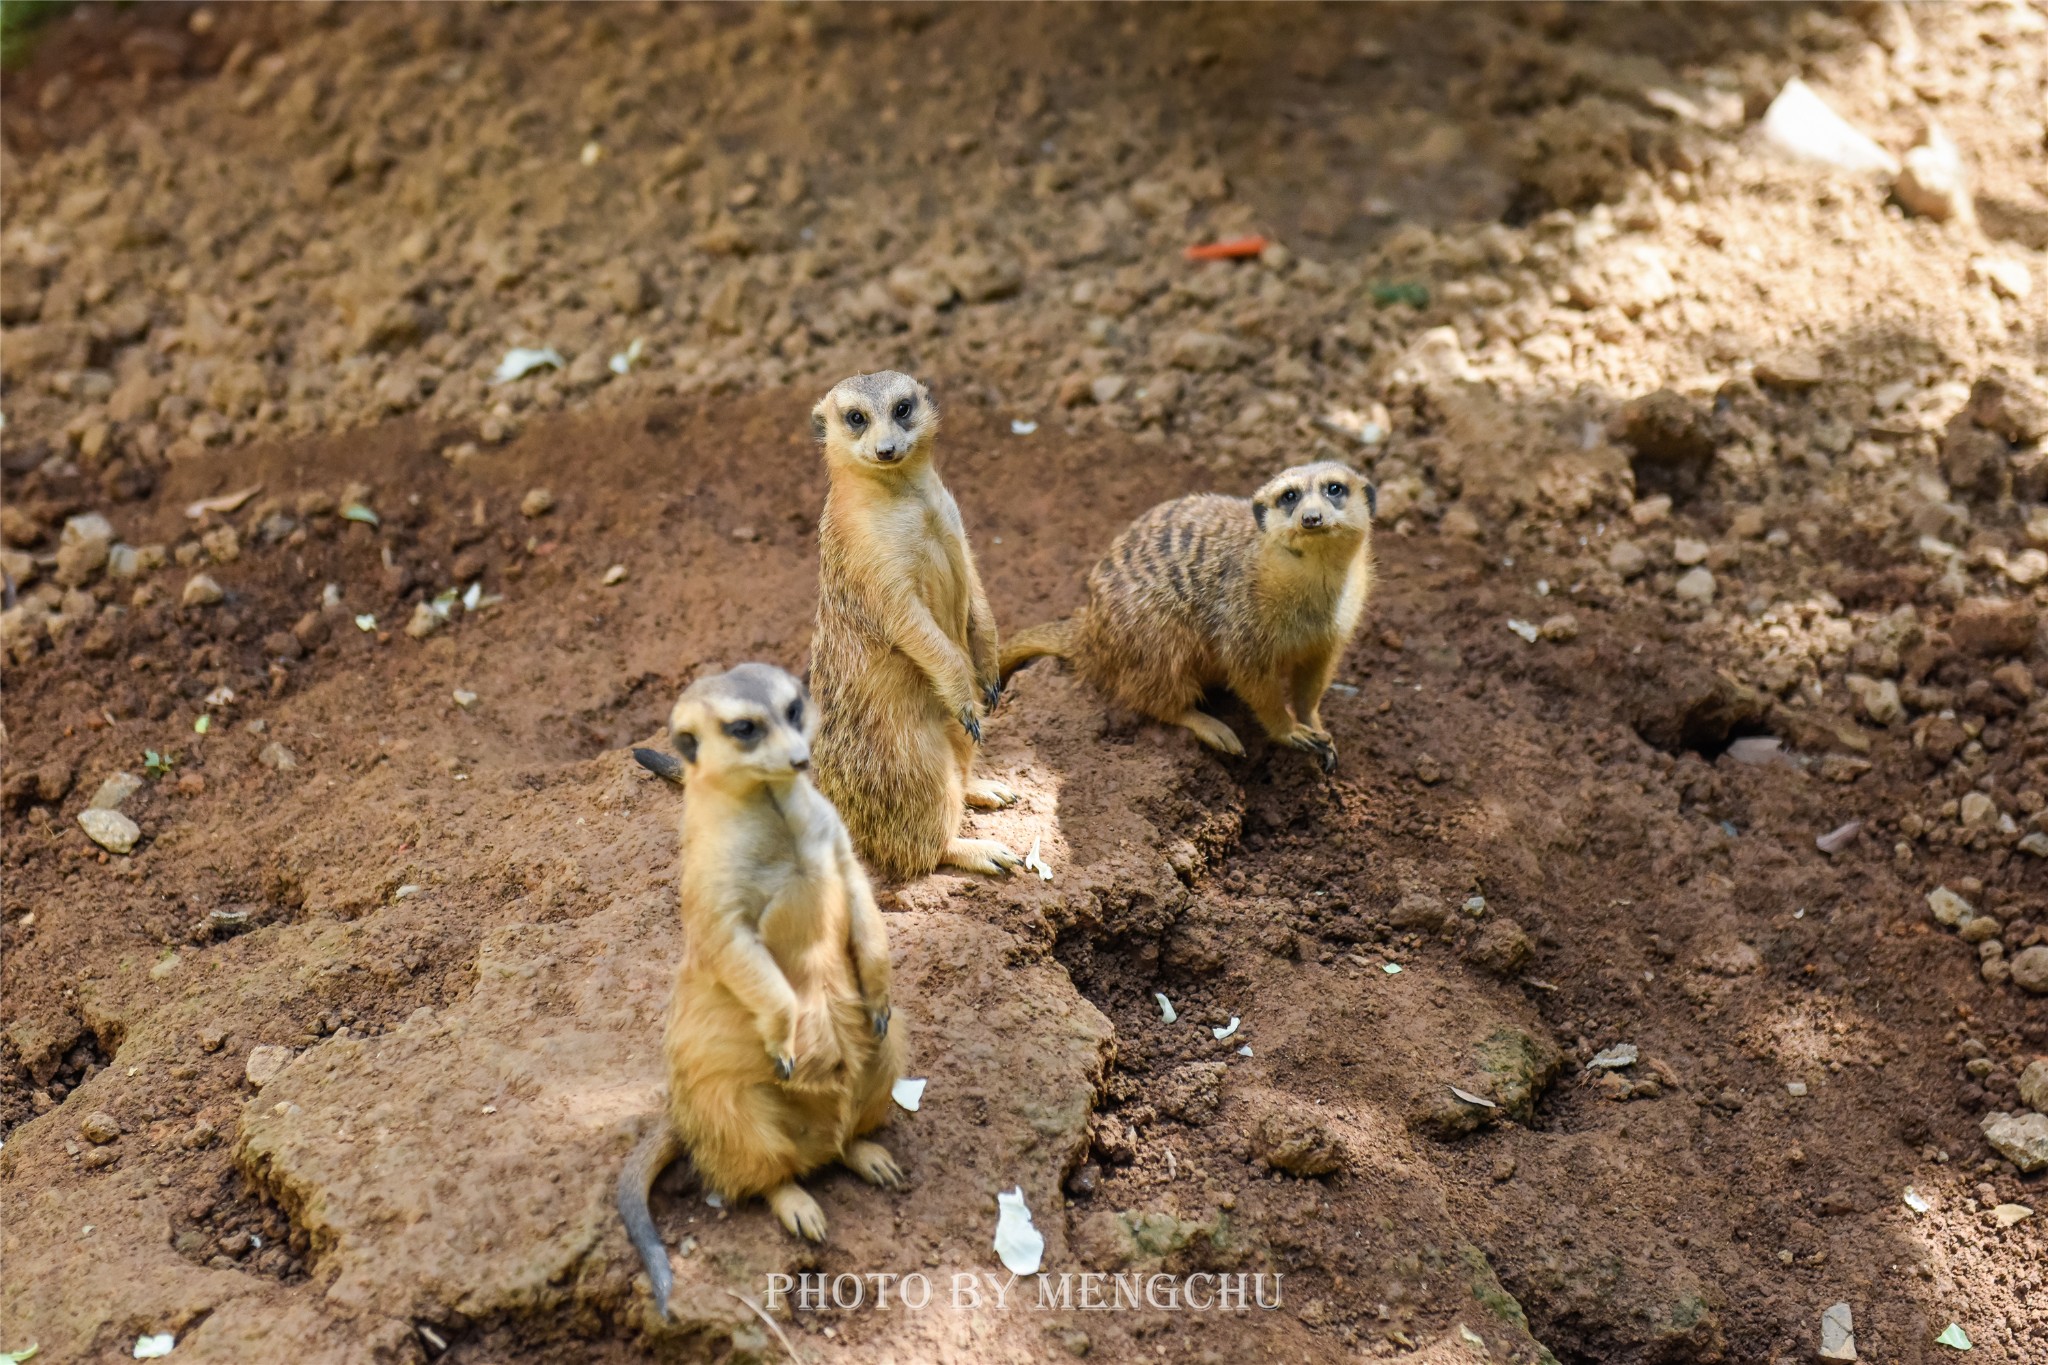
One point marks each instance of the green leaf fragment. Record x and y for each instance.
(1954, 1336)
(355, 511)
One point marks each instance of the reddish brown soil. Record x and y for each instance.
(290, 258)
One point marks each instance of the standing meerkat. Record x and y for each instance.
(1260, 594)
(904, 660)
(778, 1044)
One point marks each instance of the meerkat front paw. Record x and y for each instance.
(985, 794)
(871, 1162)
(981, 855)
(797, 1211)
(878, 1019)
(991, 693)
(971, 723)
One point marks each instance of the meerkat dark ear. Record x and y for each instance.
(818, 427)
(1259, 514)
(686, 745)
(1372, 501)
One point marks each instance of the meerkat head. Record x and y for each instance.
(1315, 503)
(876, 421)
(753, 724)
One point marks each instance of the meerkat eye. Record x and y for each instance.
(743, 731)
(1290, 497)
(856, 419)
(903, 407)
(796, 712)
(1335, 490)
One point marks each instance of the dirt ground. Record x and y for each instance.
(1713, 520)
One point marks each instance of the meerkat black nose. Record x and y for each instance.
(1311, 519)
(885, 452)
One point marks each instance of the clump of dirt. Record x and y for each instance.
(1677, 905)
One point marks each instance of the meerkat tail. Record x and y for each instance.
(1054, 639)
(648, 1161)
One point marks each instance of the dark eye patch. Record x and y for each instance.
(1335, 492)
(745, 733)
(686, 745)
(1290, 497)
(856, 419)
(796, 712)
(904, 407)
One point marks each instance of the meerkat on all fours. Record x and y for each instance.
(779, 1045)
(1259, 594)
(904, 660)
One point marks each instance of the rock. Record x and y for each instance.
(913, 286)
(1673, 440)
(1795, 368)
(425, 621)
(517, 1209)
(1204, 351)
(1145, 1237)
(1931, 182)
(627, 286)
(1948, 908)
(1800, 124)
(266, 1060)
(1628, 558)
(1512, 1068)
(2010, 405)
(1877, 699)
(1419, 910)
(1977, 810)
(2034, 1085)
(82, 548)
(1191, 1093)
(1837, 1334)
(201, 591)
(538, 502)
(110, 829)
(587, 371)
(99, 1128)
(2021, 1139)
(1687, 552)
(1501, 948)
(1293, 1140)
(1434, 358)
(1993, 626)
(1106, 389)
(1983, 927)
(1695, 585)
(2008, 278)
(277, 758)
(2030, 970)
(2035, 843)
(115, 790)
(1560, 628)
(982, 277)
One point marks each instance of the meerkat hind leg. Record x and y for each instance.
(985, 793)
(797, 1211)
(980, 855)
(871, 1162)
(1211, 731)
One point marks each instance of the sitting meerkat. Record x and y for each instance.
(1261, 594)
(904, 660)
(778, 1042)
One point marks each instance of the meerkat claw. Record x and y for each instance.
(971, 724)
(991, 694)
(785, 1066)
(871, 1162)
(879, 1019)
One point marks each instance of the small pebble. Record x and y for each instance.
(201, 591)
(538, 502)
(110, 829)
